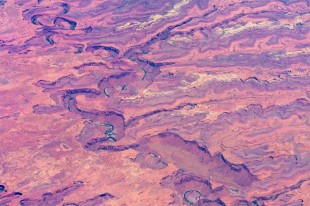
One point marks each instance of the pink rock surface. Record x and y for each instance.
(152, 103)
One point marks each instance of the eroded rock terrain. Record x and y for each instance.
(153, 103)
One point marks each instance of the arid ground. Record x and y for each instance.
(155, 103)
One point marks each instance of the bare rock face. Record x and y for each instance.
(153, 103)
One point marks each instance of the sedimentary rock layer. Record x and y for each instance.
(152, 103)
